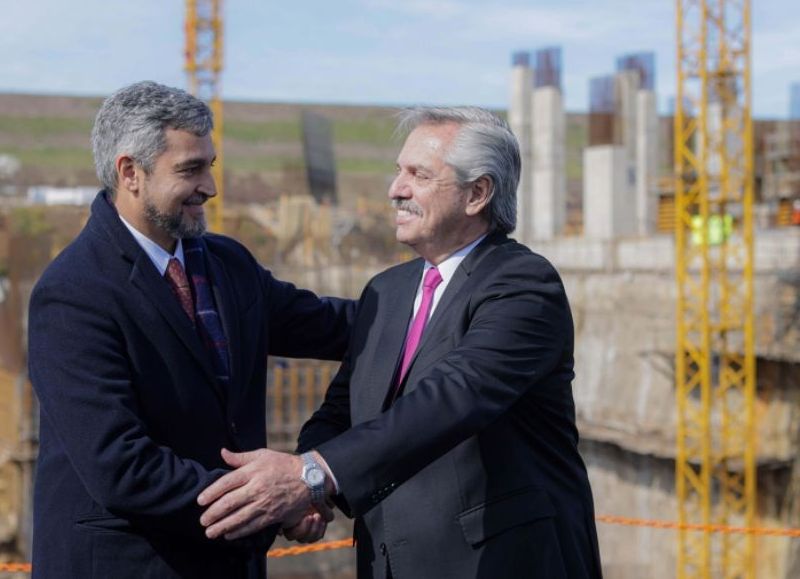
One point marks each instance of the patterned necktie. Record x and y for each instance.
(432, 279)
(179, 284)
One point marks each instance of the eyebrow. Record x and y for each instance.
(416, 167)
(194, 162)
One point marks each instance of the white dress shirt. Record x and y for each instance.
(446, 269)
(157, 254)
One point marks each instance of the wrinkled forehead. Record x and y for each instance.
(429, 141)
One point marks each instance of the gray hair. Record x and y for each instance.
(484, 146)
(133, 122)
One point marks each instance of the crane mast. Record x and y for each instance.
(204, 70)
(715, 359)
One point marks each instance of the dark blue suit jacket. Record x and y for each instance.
(132, 418)
(474, 472)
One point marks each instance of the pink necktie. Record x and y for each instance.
(432, 279)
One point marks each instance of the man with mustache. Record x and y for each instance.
(148, 352)
(449, 431)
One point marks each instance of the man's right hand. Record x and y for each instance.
(312, 526)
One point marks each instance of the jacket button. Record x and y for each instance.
(383, 549)
(234, 428)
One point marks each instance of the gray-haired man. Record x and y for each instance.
(450, 428)
(148, 350)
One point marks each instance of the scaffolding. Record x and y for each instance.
(204, 70)
(715, 360)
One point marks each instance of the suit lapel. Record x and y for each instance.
(391, 328)
(145, 278)
(458, 290)
(226, 308)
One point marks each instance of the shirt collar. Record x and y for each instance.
(157, 254)
(449, 266)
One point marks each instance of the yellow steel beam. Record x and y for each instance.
(204, 68)
(715, 360)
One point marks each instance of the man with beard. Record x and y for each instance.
(148, 351)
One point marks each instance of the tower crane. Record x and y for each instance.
(715, 358)
(204, 69)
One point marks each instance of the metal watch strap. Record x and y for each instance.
(317, 490)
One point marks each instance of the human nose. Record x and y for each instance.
(208, 186)
(399, 188)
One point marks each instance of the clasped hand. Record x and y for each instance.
(264, 489)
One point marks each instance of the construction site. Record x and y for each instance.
(676, 233)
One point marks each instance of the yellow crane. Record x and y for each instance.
(715, 359)
(204, 69)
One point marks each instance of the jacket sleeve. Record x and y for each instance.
(81, 374)
(333, 416)
(303, 325)
(519, 329)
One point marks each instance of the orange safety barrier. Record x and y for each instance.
(326, 546)
(727, 529)
(609, 519)
(15, 567)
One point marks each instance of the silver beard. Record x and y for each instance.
(175, 225)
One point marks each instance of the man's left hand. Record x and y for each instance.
(264, 489)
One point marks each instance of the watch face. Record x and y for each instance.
(315, 476)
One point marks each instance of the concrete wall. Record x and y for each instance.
(622, 295)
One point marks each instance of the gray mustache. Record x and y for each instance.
(196, 199)
(406, 205)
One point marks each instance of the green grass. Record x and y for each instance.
(52, 157)
(246, 164)
(266, 132)
(75, 158)
(371, 132)
(45, 126)
(370, 166)
(576, 140)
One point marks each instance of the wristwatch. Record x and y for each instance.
(313, 476)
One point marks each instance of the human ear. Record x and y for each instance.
(127, 175)
(480, 193)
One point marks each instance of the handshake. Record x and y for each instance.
(265, 489)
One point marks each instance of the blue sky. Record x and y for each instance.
(369, 51)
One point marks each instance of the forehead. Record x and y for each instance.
(183, 145)
(428, 143)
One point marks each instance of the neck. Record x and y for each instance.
(140, 222)
(437, 254)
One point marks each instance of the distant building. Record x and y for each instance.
(46, 195)
(9, 166)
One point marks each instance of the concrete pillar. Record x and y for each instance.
(519, 119)
(646, 162)
(549, 170)
(626, 87)
(609, 204)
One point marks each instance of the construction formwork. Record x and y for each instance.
(601, 110)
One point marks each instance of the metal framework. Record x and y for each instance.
(204, 69)
(715, 361)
